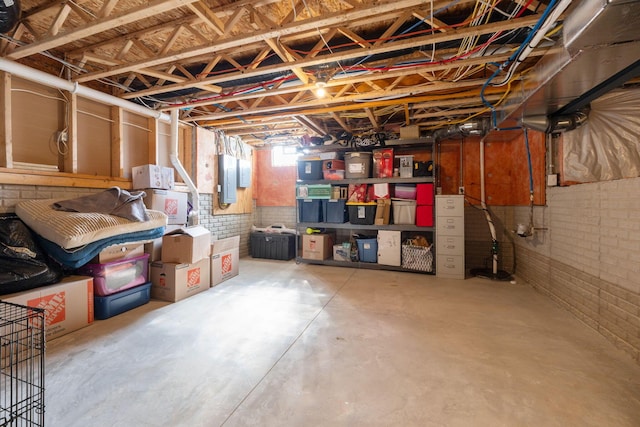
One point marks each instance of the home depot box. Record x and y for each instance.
(174, 282)
(172, 203)
(225, 259)
(317, 246)
(68, 304)
(152, 176)
(118, 252)
(186, 245)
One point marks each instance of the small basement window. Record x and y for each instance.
(284, 155)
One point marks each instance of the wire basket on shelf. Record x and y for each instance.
(22, 347)
(419, 258)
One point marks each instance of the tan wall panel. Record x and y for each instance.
(136, 142)
(164, 143)
(94, 138)
(37, 113)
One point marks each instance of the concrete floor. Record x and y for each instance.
(302, 345)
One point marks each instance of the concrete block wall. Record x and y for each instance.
(269, 215)
(11, 194)
(221, 226)
(586, 256)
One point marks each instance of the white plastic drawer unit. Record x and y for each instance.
(450, 245)
(449, 206)
(450, 225)
(450, 266)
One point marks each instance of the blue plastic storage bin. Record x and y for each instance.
(311, 210)
(336, 211)
(114, 304)
(368, 250)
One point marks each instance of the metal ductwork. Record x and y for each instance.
(600, 51)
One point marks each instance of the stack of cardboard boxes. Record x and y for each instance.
(191, 263)
(184, 262)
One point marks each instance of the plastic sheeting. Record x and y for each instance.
(23, 264)
(607, 146)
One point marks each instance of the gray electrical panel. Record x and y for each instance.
(227, 178)
(244, 173)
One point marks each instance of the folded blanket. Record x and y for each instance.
(114, 201)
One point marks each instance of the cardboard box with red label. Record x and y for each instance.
(172, 203)
(317, 246)
(68, 304)
(225, 259)
(174, 282)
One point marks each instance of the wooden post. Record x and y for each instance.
(117, 137)
(6, 141)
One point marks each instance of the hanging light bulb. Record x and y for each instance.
(321, 90)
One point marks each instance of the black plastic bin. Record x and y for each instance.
(273, 245)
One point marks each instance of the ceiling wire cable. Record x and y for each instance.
(545, 15)
(538, 34)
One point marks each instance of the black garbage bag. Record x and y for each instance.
(23, 264)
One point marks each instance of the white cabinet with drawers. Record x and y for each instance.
(450, 237)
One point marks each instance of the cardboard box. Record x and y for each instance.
(225, 259)
(317, 246)
(186, 245)
(118, 252)
(389, 247)
(152, 176)
(383, 212)
(410, 132)
(168, 178)
(68, 304)
(172, 203)
(154, 247)
(174, 282)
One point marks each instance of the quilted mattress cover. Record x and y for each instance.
(75, 229)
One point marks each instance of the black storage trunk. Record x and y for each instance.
(273, 246)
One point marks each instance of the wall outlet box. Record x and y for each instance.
(460, 190)
(552, 180)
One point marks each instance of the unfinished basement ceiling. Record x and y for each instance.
(252, 68)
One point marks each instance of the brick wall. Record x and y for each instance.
(269, 215)
(223, 226)
(220, 225)
(586, 257)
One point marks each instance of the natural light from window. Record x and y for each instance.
(282, 155)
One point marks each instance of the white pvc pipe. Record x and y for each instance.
(483, 203)
(50, 80)
(194, 216)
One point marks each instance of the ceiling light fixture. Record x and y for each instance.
(321, 90)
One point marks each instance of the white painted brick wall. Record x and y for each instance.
(593, 227)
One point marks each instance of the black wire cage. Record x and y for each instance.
(22, 347)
